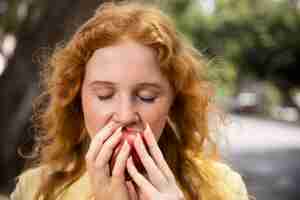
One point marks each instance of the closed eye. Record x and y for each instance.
(145, 99)
(148, 99)
(102, 98)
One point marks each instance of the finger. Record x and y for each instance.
(139, 179)
(131, 190)
(107, 149)
(156, 153)
(155, 175)
(99, 139)
(120, 165)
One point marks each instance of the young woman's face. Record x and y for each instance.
(124, 83)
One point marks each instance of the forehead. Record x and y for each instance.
(126, 52)
(127, 60)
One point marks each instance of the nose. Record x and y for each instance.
(126, 113)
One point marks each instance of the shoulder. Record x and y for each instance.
(230, 181)
(32, 174)
(30, 181)
(27, 184)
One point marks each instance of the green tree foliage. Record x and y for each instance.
(258, 38)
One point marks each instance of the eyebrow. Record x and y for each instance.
(139, 85)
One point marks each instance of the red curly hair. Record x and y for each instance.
(63, 139)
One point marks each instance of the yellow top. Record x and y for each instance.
(30, 180)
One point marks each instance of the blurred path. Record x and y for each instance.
(248, 134)
(267, 154)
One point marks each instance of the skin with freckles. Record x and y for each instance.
(123, 83)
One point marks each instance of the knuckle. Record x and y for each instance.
(110, 147)
(171, 178)
(98, 165)
(147, 159)
(151, 146)
(101, 140)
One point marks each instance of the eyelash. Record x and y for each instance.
(147, 100)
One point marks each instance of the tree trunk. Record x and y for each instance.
(285, 88)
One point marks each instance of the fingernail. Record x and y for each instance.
(147, 128)
(119, 130)
(127, 146)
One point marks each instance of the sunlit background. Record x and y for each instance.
(253, 52)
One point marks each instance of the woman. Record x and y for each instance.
(126, 116)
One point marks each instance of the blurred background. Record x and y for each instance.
(253, 51)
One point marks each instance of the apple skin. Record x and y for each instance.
(129, 137)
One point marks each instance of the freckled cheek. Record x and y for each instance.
(95, 117)
(158, 129)
(157, 121)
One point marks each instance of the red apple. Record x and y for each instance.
(129, 136)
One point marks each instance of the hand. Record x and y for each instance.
(104, 185)
(159, 183)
